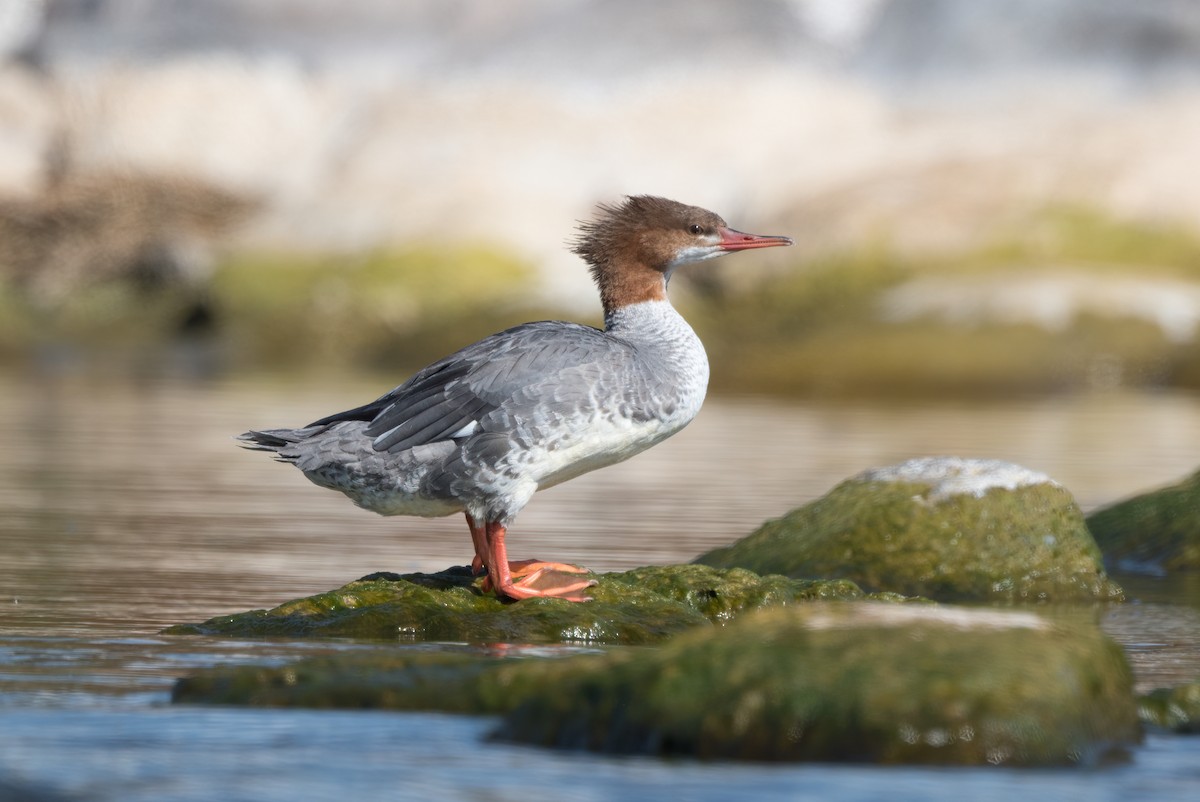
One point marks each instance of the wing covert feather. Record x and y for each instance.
(510, 370)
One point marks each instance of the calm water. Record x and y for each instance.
(126, 507)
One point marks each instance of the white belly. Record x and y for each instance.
(604, 442)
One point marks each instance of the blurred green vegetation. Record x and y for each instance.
(363, 309)
(1075, 233)
(812, 329)
(817, 331)
(279, 311)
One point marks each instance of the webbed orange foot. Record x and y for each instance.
(531, 578)
(523, 579)
(551, 583)
(527, 567)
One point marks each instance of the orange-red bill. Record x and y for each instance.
(732, 240)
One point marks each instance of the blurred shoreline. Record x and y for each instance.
(152, 156)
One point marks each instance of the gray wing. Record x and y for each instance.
(511, 370)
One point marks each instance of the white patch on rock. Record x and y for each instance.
(897, 615)
(956, 476)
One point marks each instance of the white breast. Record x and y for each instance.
(674, 377)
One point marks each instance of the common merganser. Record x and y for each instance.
(483, 429)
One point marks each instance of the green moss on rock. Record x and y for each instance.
(824, 682)
(1174, 709)
(854, 682)
(942, 528)
(406, 679)
(1159, 531)
(645, 605)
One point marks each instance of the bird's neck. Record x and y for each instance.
(665, 350)
(629, 282)
(654, 319)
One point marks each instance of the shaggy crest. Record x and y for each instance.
(618, 228)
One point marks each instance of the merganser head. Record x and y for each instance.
(632, 248)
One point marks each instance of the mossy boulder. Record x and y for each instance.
(1174, 709)
(449, 680)
(945, 528)
(857, 681)
(854, 682)
(1155, 532)
(645, 605)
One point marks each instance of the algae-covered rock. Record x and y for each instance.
(722, 594)
(853, 682)
(823, 682)
(641, 606)
(1174, 709)
(945, 528)
(395, 679)
(1157, 531)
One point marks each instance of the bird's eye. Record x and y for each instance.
(696, 229)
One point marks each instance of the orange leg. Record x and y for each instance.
(479, 538)
(535, 578)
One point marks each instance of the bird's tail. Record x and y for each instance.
(273, 440)
(267, 440)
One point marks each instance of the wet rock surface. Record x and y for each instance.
(770, 666)
(1173, 709)
(854, 683)
(645, 605)
(824, 682)
(1156, 532)
(945, 528)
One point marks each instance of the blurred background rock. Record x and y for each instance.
(990, 197)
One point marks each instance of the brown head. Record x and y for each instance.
(632, 248)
